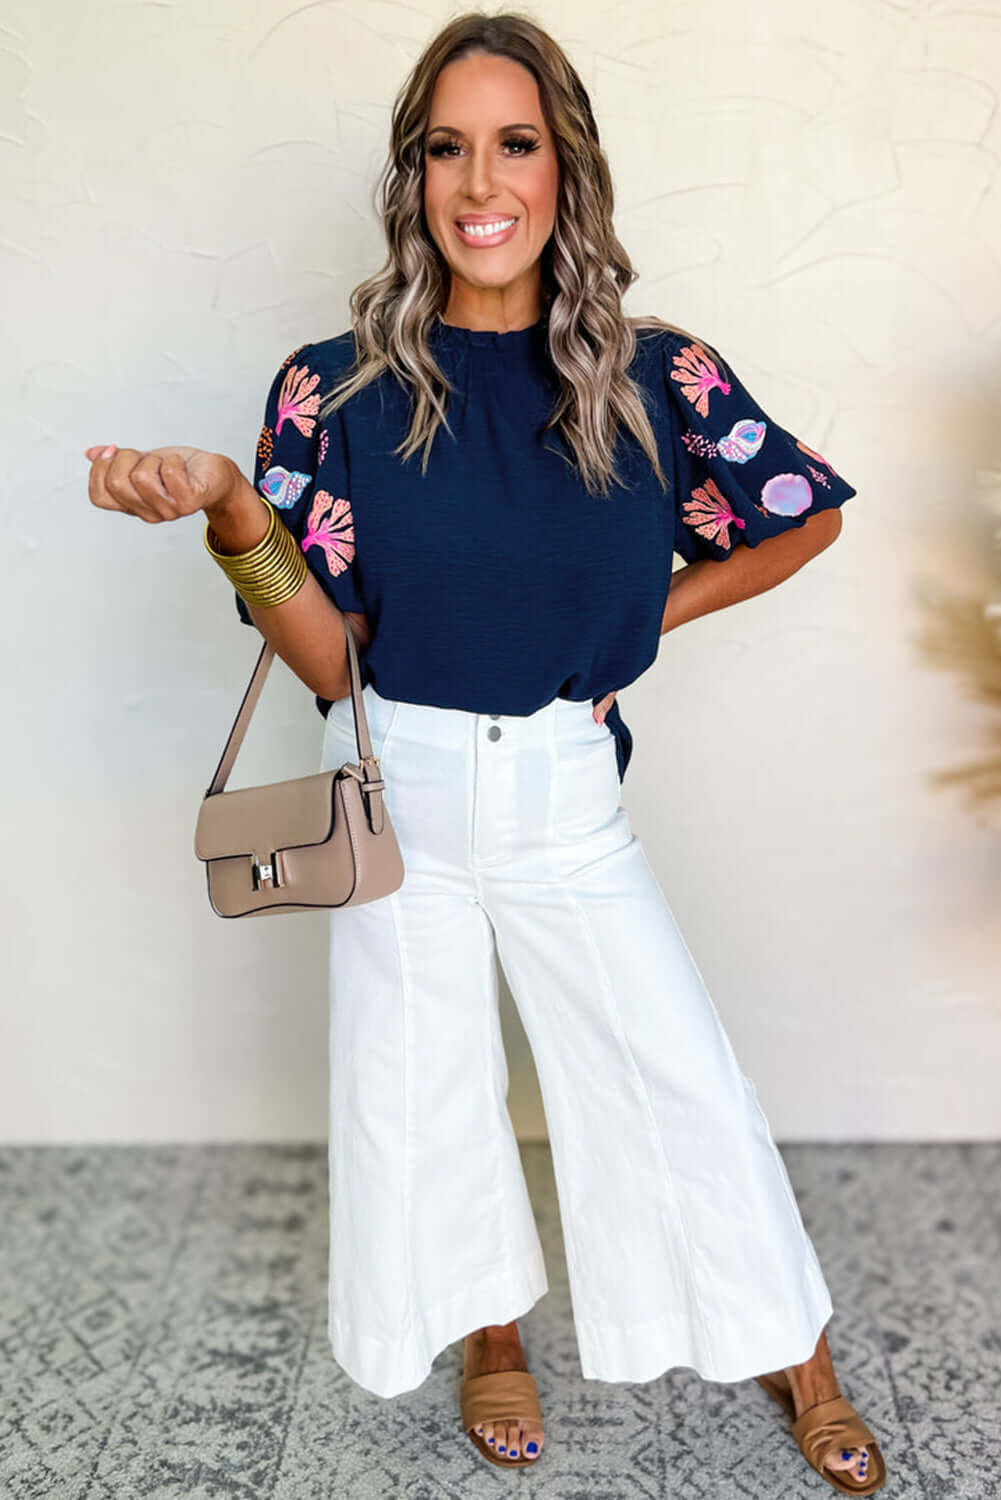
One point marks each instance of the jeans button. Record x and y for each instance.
(493, 733)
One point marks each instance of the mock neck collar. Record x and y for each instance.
(521, 345)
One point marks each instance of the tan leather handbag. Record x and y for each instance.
(315, 842)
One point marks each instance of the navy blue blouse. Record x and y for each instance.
(496, 582)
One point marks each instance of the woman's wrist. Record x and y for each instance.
(241, 520)
(267, 574)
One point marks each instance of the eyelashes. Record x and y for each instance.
(529, 143)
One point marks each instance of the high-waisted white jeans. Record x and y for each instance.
(684, 1242)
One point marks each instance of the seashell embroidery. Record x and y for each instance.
(786, 495)
(283, 486)
(743, 441)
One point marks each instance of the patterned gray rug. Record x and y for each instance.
(163, 1334)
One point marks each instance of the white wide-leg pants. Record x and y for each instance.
(684, 1242)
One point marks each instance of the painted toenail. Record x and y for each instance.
(514, 1453)
(490, 1440)
(500, 1448)
(531, 1447)
(846, 1453)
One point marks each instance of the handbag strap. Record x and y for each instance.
(250, 697)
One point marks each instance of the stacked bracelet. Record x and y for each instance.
(269, 573)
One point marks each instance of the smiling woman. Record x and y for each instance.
(509, 582)
(488, 185)
(512, 580)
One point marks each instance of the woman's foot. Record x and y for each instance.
(498, 1347)
(814, 1381)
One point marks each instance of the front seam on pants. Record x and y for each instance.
(655, 1134)
(502, 1224)
(406, 1011)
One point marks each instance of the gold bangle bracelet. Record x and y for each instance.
(269, 573)
(259, 548)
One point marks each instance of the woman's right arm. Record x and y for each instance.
(307, 631)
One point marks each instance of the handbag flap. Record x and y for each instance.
(260, 820)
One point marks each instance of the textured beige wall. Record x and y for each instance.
(187, 194)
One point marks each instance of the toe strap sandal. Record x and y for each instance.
(829, 1424)
(504, 1396)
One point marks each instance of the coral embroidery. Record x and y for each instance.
(283, 486)
(334, 533)
(324, 445)
(820, 478)
(290, 357)
(813, 454)
(297, 402)
(710, 515)
(698, 374)
(699, 444)
(265, 446)
(786, 495)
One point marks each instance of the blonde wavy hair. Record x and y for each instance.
(584, 268)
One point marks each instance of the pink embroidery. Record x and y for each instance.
(813, 454)
(698, 374)
(698, 444)
(740, 444)
(709, 514)
(334, 533)
(324, 445)
(296, 402)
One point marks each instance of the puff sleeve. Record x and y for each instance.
(739, 476)
(300, 467)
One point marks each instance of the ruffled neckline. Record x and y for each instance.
(518, 344)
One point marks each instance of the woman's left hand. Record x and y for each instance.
(602, 706)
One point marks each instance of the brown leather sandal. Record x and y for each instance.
(829, 1424)
(505, 1395)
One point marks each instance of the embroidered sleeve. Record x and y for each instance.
(739, 477)
(300, 467)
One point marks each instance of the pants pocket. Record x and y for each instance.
(585, 780)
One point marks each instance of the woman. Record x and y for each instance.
(491, 493)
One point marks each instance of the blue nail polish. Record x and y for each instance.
(500, 1448)
(489, 1439)
(531, 1447)
(845, 1453)
(514, 1453)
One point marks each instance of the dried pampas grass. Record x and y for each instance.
(963, 635)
